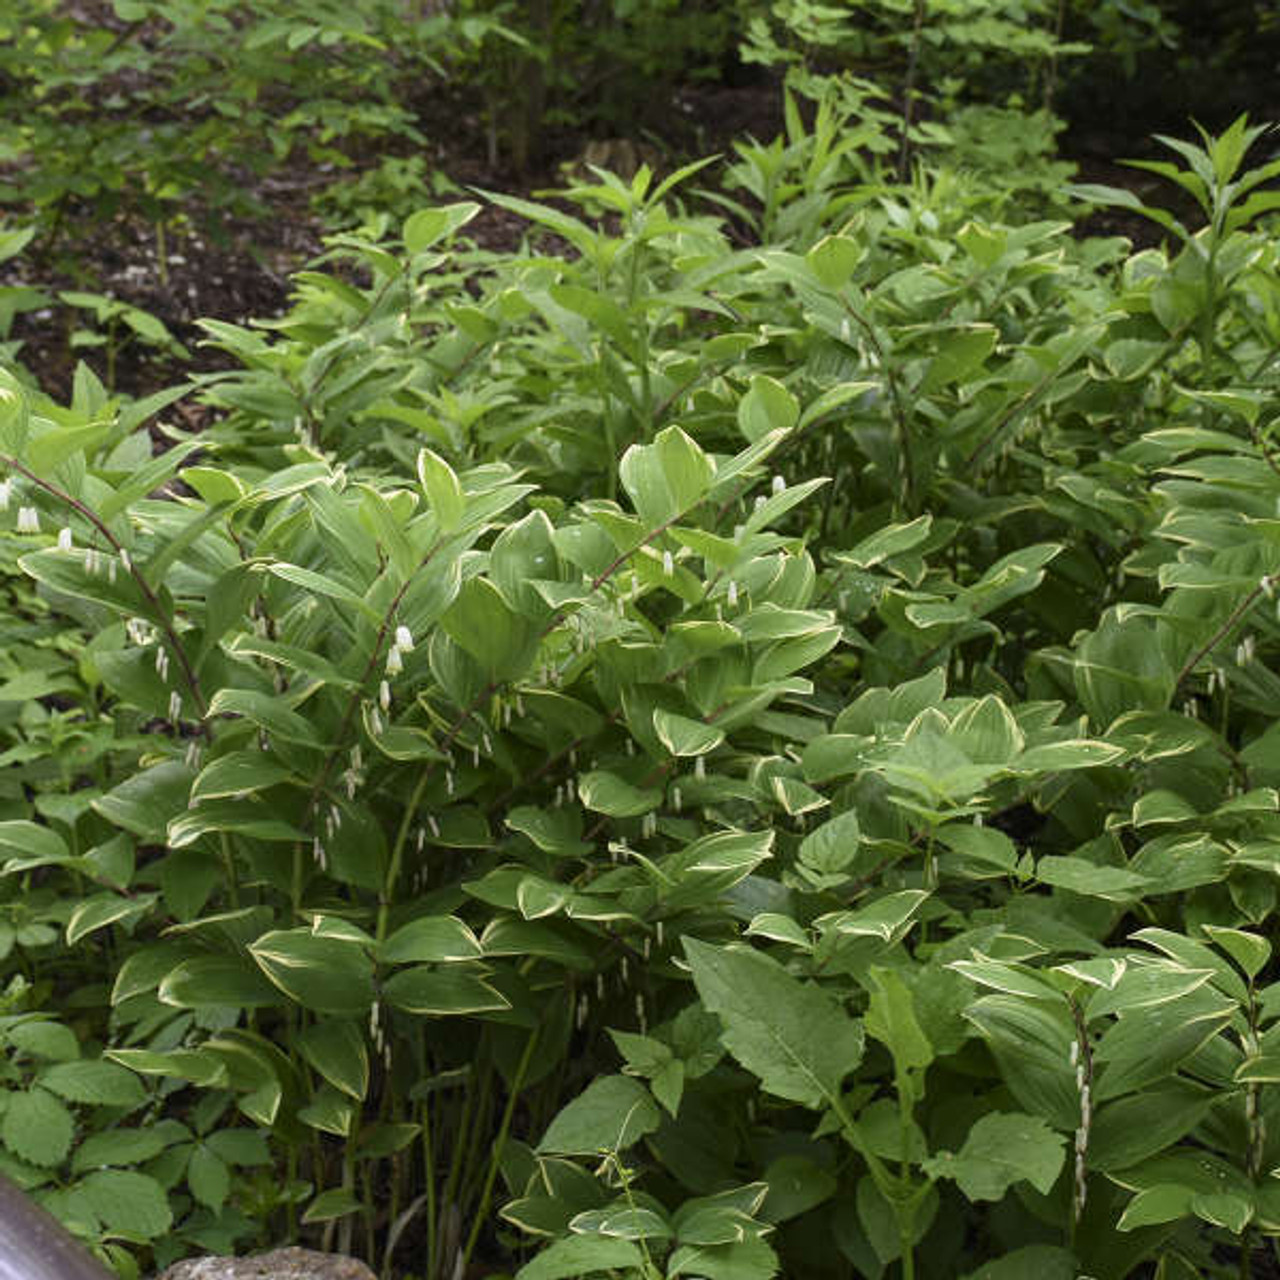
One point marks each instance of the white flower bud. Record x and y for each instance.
(6, 492)
(668, 564)
(733, 594)
(125, 563)
(384, 696)
(404, 639)
(395, 664)
(175, 705)
(28, 520)
(778, 484)
(64, 538)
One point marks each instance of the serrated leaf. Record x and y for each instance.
(128, 1203)
(1003, 1148)
(769, 1019)
(611, 1114)
(36, 1127)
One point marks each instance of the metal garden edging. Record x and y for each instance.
(34, 1245)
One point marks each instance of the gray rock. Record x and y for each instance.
(281, 1264)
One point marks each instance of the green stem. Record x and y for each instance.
(397, 853)
(481, 1211)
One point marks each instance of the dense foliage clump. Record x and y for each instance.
(735, 739)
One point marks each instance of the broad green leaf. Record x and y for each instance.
(1132, 1129)
(833, 847)
(891, 1019)
(208, 1177)
(750, 1259)
(50, 1040)
(321, 974)
(1031, 1262)
(607, 793)
(1166, 1202)
(238, 773)
(442, 489)
(179, 1064)
(30, 840)
(128, 1202)
(336, 1048)
(1002, 1148)
(36, 1127)
(767, 406)
(611, 1114)
(770, 1020)
(427, 227)
(206, 981)
(683, 736)
(97, 1083)
(319, 584)
(271, 714)
(481, 622)
(834, 259)
(1079, 875)
(448, 992)
(883, 918)
(15, 415)
(335, 1203)
(575, 1256)
(961, 351)
(124, 1146)
(430, 938)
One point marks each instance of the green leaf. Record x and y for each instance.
(1031, 1262)
(611, 1114)
(1132, 1129)
(442, 992)
(96, 1083)
(15, 415)
(238, 773)
(796, 1185)
(51, 1040)
(430, 938)
(961, 351)
(337, 1202)
(36, 1127)
(1003, 1148)
(427, 227)
(891, 1019)
(607, 793)
(683, 736)
(320, 584)
(180, 1064)
(575, 1256)
(1250, 951)
(124, 1146)
(322, 974)
(834, 259)
(205, 981)
(1079, 875)
(208, 1177)
(442, 490)
(832, 847)
(884, 918)
(750, 1259)
(128, 1203)
(1166, 1202)
(767, 406)
(273, 715)
(148, 800)
(772, 1023)
(501, 641)
(29, 840)
(337, 1050)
